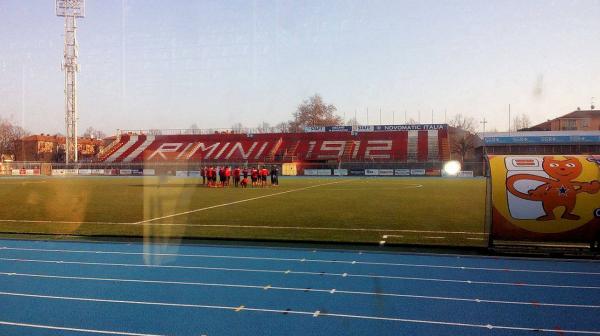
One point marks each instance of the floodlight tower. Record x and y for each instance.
(70, 10)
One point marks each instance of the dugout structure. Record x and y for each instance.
(549, 199)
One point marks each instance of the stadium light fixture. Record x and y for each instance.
(452, 168)
(71, 10)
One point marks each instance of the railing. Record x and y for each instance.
(244, 130)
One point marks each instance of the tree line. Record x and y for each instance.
(9, 134)
(314, 111)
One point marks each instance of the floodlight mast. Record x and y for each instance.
(70, 10)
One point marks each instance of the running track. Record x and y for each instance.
(81, 288)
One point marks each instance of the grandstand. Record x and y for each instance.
(393, 143)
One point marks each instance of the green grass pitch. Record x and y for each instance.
(396, 210)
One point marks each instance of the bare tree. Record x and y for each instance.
(353, 122)
(238, 128)
(282, 127)
(263, 127)
(463, 122)
(193, 129)
(462, 140)
(520, 122)
(9, 134)
(462, 144)
(314, 112)
(91, 132)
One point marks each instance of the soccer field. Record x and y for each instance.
(436, 211)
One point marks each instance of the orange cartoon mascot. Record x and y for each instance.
(558, 190)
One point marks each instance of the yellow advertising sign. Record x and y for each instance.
(289, 169)
(555, 198)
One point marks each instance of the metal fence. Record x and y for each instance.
(169, 168)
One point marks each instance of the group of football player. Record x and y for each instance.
(223, 176)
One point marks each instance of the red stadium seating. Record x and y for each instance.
(377, 146)
(113, 147)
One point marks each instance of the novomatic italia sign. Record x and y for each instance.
(376, 128)
(545, 198)
(420, 127)
(392, 128)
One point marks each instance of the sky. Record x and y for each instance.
(148, 64)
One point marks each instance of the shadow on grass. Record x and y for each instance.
(168, 185)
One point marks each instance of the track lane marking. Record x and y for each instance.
(371, 252)
(286, 272)
(317, 290)
(88, 331)
(296, 312)
(371, 263)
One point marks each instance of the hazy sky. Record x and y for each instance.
(172, 63)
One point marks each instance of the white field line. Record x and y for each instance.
(245, 226)
(238, 202)
(329, 261)
(412, 186)
(87, 331)
(296, 312)
(20, 182)
(148, 221)
(269, 287)
(286, 272)
(372, 188)
(57, 222)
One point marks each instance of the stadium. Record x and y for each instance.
(375, 253)
(327, 159)
(319, 225)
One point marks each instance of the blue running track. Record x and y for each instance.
(82, 288)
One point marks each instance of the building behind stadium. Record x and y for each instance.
(577, 132)
(51, 148)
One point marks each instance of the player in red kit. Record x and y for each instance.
(210, 174)
(228, 176)
(264, 172)
(236, 176)
(254, 176)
